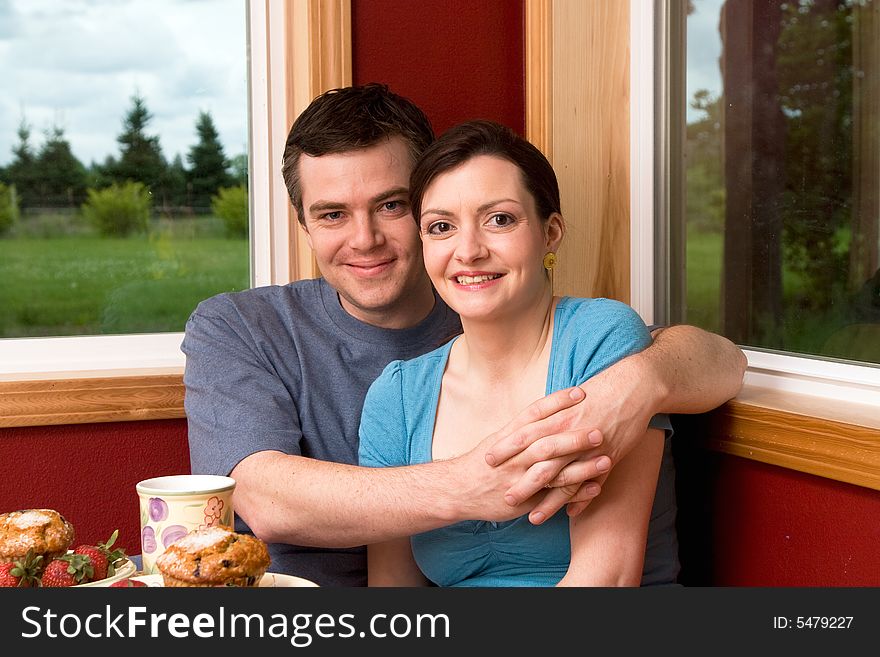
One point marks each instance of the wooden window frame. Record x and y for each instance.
(805, 414)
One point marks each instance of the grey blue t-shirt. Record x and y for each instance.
(286, 368)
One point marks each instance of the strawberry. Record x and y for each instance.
(97, 558)
(23, 572)
(127, 583)
(68, 570)
(102, 557)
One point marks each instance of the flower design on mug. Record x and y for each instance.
(158, 509)
(213, 508)
(173, 532)
(148, 540)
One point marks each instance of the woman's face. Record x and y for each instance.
(483, 241)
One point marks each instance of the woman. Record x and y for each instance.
(487, 203)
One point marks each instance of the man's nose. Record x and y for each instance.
(366, 233)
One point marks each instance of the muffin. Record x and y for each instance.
(44, 531)
(214, 556)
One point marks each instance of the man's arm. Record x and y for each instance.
(293, 499)
(695, 369)
(685, 370)
(243, 421)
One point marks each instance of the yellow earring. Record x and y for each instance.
(549, 265)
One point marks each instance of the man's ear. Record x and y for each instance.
(554, 231)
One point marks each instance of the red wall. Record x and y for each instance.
(745, 523)
(457, 60)
(88, 472)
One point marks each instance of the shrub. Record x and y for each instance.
(8, 208)
(231, 205)
(119, 210)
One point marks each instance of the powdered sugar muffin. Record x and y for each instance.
(214, 556)
(45, 531)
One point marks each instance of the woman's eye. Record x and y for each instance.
(438, 228)
(501, 220)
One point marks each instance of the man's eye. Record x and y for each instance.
(501, 220)
(395, 208)
(439, 228)
(336, 215)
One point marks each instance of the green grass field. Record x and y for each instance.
(704, 261)
(86, 285)
(799, 331)
(81, 284)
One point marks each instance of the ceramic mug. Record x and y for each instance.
(174, 505)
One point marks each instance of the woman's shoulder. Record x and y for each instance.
(597, 309)
(420, 364)
(404, 374)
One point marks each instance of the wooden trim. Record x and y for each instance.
(539, 74)
(782, 430)
(330, 44)
(96, 399)
(318, 37)
(787, 431)
(589, 126)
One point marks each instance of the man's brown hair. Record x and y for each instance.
(347, 119)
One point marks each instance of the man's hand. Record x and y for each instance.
(541, 450)
(570, 444)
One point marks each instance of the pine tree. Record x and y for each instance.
(62, 177)
(140, 155)
(22, 171)
(177, 175)
(239, 165)
(208, 164)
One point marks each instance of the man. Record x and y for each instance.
(276, 376)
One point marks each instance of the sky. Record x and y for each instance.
(77, 64)
(703, 50)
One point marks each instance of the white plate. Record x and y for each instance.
(123, 570)
(269, 580)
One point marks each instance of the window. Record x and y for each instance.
(768, 177)
(123, 177)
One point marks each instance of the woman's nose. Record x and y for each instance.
(470, 247)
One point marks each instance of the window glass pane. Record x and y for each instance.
(780, 147)
(123, 163)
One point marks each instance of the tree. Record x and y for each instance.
(62, 177)
(816, 93)
(208, 164)
(140, 155)
(177, 179)
(9, 209)
(102, 175)
(22, 171)
(705, 196)
(239, 166)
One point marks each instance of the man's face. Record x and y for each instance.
(358, 222)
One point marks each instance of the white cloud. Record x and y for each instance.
(77, 64)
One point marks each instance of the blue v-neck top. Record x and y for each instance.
(397, 426)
